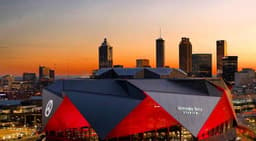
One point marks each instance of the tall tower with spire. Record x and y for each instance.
(105, 55)
(160, 52)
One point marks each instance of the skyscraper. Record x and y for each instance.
(221, 50)
(185, 55)
(105, 55)
(46, 74)
(159, 52)
(52, 74)
(229, 68)
(202, 65)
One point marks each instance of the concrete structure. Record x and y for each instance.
(105, 55)
(135, 73)
(185, 55)
(139, 109)
(230, 66)
(221, 50)
(160, 53)
(141, 63)
(202, 65)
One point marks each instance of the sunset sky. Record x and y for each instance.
(65, 34)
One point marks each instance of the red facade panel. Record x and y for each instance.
(147, 116)
(66, 116)
(222, 113)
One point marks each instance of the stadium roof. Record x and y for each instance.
(133, 71)
(116, 107)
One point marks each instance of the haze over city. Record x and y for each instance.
(65, 35)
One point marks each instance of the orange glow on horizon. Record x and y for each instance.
(82, 61)
(65, 36)
(77, 66)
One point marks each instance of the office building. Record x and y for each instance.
(140, 63)
(160, 57)
(202, 65)
(185, 55)
(105, 55)
(46, 74)
(230, 64)
(221, 50)
(31, 77)
(43, 72)
(52, 74)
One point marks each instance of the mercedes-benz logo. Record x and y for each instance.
(48, 108)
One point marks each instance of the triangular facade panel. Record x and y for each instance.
(147, 116)
(191, 111)
(66, 117)
(50, 105)
(103, 112)
(221, 113)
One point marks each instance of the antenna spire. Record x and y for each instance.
(160, 33)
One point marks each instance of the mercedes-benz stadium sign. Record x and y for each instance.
(190, 110)
(48, 108)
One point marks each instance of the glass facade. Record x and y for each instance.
(202, 65)
(229, 68)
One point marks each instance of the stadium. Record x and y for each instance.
(138, 109)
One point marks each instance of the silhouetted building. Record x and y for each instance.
(221, 50)
(31, 77)
(140, 63)
(185, 55)
(105, 55)
(52, 74)
(44, 72)
(160, 53)
(202, 65)
(229, 68)
(46, 76)
(118, 66)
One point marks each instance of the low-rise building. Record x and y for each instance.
(244, 77)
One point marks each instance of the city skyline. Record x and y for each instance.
(39, 33)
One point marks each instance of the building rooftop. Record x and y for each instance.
(10, 102)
